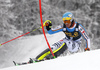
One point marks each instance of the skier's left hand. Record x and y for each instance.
(87, 49)
(48, 25)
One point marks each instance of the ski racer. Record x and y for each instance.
(73, 31)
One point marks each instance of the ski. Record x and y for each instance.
(18, 64)
(30, 61)
(14, 63)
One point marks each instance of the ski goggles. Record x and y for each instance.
(67, 21)
(66, 18)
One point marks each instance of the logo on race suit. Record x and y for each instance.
(72, 35)
(61, 40)
(83, 31)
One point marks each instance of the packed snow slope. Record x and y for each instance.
(80, 61)
(20, 50)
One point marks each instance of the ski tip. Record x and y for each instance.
(14, 63)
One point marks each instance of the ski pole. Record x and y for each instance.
(22, 35)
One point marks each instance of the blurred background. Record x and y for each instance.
(20, 16)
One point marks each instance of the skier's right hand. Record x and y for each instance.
(87, 49)
(48, 25)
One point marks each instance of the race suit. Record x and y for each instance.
(73, 37)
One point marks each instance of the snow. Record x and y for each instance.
(80, 61)
(31, 46)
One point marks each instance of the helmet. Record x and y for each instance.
(68, 16)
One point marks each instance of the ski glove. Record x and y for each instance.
(48, 25)
(87, 49)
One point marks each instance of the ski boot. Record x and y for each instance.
(33, 60)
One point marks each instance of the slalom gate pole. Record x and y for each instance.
(43, 28)
(20, 36)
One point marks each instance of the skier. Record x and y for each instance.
(73, 35)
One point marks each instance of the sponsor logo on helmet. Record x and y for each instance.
(70, 15)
